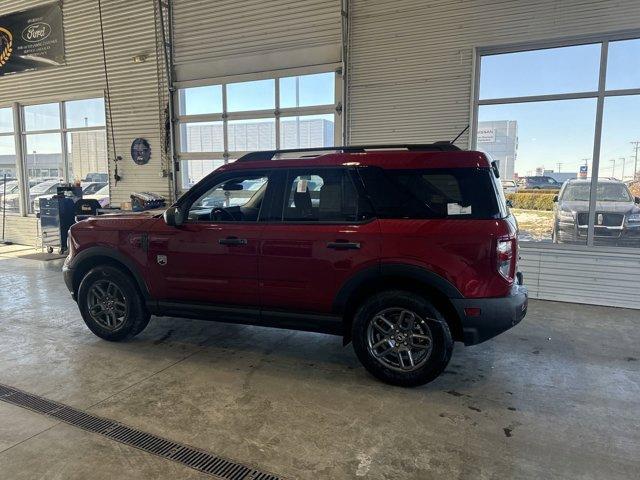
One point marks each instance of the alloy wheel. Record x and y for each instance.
(399, 339)
(107, 305)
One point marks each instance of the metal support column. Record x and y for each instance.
(21, 167)
(595, 164)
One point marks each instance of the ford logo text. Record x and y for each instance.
(36, 32)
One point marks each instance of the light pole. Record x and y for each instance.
(636, 146)
(623, 162)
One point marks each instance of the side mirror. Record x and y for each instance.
(509, 204)
(555, 199)
(173, 217)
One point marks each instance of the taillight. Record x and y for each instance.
(505, 257)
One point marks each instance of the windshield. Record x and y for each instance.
(93, 188)
(42, 187)
(607, 192)
(103, 191)
(9, 187)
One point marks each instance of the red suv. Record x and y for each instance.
(401, 250)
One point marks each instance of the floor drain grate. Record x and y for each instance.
(191, 457)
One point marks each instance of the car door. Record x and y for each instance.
(212, 257)
(320, 234)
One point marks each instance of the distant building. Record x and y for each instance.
(306, 133)
(87, 153)
(39, 165)
(500, 140)
(246, 136)
(8, 165)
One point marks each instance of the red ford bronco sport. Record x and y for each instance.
(401, 250)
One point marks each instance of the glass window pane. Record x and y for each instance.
(192, 171)
(323, 195)
(202, 137)
(249, 96)
(6, 120)
(306, 131)
(619, 174)
(255, 134)
(87, 153)
(540, 72)
(42, 117)
(7, 147)
(540, 145)
(307, 90)
(45, 167)
(623, 64)
(201, 100)
(85, 113)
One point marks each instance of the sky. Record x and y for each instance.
(562, 131)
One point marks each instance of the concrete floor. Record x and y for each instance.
(556, 397)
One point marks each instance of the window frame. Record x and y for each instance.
(600, 95)
(276, 113)
(18, 176)
(277, 208)
(62, 131)
(19, 135)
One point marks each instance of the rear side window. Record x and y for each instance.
(459, 193)
(322, 195)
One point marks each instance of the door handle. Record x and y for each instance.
(343, 245)
(232, 241)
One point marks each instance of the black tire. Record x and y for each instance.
(441, 341)
(136, 316)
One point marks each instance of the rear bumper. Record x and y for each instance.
(622, 236)
(496, 315)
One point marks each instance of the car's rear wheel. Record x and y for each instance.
(401, 338)
(111, 305)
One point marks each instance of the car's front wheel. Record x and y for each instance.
(111, 305)
(401, 338)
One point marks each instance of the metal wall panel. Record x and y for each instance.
(411, 60)
(83, 72)
(129, 30)
(227, 37)
(22, 230)
(595, 276)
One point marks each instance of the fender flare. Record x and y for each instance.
(100, 251)
(412, 272)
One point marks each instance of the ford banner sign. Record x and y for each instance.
(31, 39)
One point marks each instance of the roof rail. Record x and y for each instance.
(426, 147)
